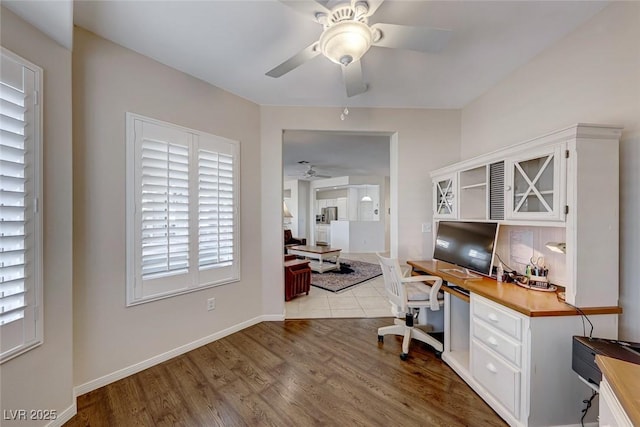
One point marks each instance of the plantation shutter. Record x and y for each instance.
(215, 209)
(182, 210)
(165, 208)
(13, 192)
(20, 287)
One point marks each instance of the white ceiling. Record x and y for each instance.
(231, 44)
(335, 153)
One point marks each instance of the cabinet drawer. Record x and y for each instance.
(496, 376)
(497, 317)
(497, 342)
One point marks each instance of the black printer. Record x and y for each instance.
(585, 350)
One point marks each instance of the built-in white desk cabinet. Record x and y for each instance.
(562, 185)
(513, 345)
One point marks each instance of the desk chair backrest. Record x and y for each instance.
(393, 286)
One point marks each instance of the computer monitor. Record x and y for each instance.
(469, 245)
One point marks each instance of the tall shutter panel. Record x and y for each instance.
(215, 209)
(20, 256)
(165, 208)
(13, 192)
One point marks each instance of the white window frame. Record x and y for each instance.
(30, 327)
(167, 284)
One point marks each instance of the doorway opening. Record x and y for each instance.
(338, 187)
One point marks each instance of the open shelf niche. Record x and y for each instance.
(473, 193)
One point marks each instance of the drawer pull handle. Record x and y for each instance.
(493, 341)
(493, 317)
(491, 368)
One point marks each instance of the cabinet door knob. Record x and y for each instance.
(493, 317)
(491, 368)
(493, 341)
(507, 188)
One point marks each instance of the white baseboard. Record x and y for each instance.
(141, 366)
(65, 415)
(273, 318)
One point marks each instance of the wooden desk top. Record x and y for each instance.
(531, 303)
(624, 379)
(314, 249)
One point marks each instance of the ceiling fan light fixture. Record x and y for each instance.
(346, 41)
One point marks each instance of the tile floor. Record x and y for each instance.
(365, 300)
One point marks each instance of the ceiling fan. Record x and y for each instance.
(347, 36)
(311, 173)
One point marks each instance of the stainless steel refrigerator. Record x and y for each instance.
(329, 214)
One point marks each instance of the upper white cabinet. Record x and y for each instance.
(535, 188)
(320, 204)
(343, 208)
(473, 193)
(567, 180)
(445, 205)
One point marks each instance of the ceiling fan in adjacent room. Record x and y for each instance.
(310, 172)
(347, 36)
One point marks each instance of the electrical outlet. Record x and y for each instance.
(426, 227)
(211, 304)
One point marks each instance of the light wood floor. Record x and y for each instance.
(319, 372)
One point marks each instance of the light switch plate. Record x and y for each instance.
(426, 227)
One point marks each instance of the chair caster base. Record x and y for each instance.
(404, 356)
(380, 338)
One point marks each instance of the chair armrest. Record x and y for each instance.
(435, 287)
(406, 270)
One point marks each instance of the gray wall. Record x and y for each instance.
(42, 378)
(423, 140)
(591, 76)
(108, 81)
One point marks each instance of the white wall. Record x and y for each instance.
(367, 237)
(298, 204)
(291, 188)
(426, 139)
(108, 81)
(591, 76)
(43, 377)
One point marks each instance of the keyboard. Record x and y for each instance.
(459, 289)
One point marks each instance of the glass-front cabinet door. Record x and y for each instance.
(536, 185)
(445, 203)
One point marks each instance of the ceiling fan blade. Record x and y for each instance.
(307, 7)
(295, 61)
(353, 81)
(422, 39)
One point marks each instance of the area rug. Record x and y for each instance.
(351, 273)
